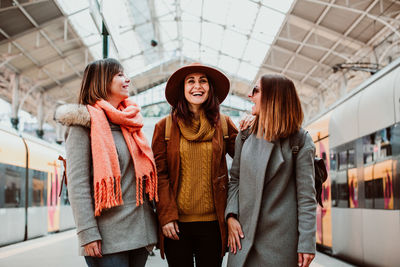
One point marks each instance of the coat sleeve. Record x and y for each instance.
(80, 193)
(233, 185)
(306, 200)
(167, 209)
(232, 132)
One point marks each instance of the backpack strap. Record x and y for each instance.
(224, 125)
(297, 140)
(168, 124)
(245, 134)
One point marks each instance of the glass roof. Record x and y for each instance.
(233, 35)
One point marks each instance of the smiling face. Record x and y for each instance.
(196, 88)
(119, 89)
(255, 97)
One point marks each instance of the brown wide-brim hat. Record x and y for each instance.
(174, 84)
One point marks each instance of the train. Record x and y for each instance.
(359, 139)
(31, 204)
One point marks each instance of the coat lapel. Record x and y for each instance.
(258, 153)
(276, 161)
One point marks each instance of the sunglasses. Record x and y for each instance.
(255, 91)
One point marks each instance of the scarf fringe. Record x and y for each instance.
(151, 188)
(107, 194)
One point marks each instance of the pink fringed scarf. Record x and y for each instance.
(106, 170)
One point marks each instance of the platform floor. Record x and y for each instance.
(61, 250)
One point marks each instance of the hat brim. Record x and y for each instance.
(219, 81)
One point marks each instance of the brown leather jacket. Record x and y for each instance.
(166, 154)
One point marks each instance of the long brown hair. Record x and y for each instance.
(280, 109)
(97, 79)
(210, 106)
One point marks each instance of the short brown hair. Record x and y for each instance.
(211, 106)
(280, 111)
(97, 79)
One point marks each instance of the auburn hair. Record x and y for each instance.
(280, 109)
(210, 107)
(97, 79)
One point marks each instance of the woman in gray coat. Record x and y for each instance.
(271, 210)
(111, 171)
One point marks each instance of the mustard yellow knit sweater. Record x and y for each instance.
(195, 197)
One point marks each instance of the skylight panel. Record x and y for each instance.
(211, 34)
(168, 28)
(171, 49)
(228, 63)
(241, 15)
(141, 11)
(247, 71)
(84, 26)
(210, 57)
(233, 44)
(255, 52)
(191, 49)
(267, 25)
(130, 45)
(281, 5)
(216, 11)
(164, 6)
(145, 32)
(71, 6)
(192, 7)
(191, 27)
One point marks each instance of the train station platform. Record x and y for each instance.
(61, 250)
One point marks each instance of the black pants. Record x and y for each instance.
(199, 239)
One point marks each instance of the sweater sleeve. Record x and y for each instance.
(306, 200)
(79, 166)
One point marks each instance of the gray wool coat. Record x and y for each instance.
(276, 210)
(120, 228)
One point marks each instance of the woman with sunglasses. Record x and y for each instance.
(271, 210)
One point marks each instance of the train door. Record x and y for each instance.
(12, 188)
(53, 207)
(324, 217)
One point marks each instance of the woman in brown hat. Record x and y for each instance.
(189, 148)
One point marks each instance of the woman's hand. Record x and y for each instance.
(93, 249)
(171, 230)
(235, 233)
(246, 122)
(304, 259)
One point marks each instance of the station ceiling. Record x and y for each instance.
(326, 46)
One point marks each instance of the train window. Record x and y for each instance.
(374, 194)
(368, 148)
(333, 161)
(395, 139)
(12, 187)
(382, 147)
(39, 187)
(342, 160)
(342, 195)
(351, 159)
